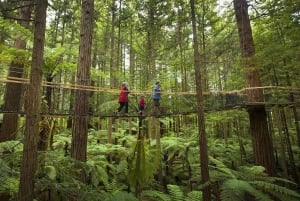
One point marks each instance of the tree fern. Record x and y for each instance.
(121, 196)
(282, 193)
(142, 164)
(153, 195)
(194, 196)
(10, 152)
(253, 181)
(234, 189)
(112, 186)
(7, 182)
(221, 169)
(175, 192)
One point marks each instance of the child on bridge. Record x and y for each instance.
(142, 103)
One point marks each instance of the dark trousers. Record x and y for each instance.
(122, 104)
(156, 102)
(141, 108)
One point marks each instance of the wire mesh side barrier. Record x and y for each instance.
(171, 102)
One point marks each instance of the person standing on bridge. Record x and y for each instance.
(142, 103)
(156, 96)
(123, 99)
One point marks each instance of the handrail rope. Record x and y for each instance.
(239, 92)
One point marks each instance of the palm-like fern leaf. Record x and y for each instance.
(194, 196)
(278, 191)
(220, 167)
(156, 196)
(234, 189)
(175, 192)
(121, 196)
(142, 164)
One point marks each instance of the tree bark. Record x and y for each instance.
(81, 113)
(261, 138)
(32, 104)
(113, 67)
(13, 90)
(151, 52)
(201, 120)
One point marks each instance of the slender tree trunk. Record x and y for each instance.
(150, 43)
(81, 117)
(158, 147)
(110, 130)
(132, 67)
(71, 106)
(293, 167)
(261, 138)
(113, 67)
(29, 160)
(282, 148)
(13, 90)
(294, 109)
(180, 41)
(201, 119)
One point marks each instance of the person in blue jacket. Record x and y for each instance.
(156, 95)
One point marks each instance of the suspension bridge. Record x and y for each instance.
(172, 102)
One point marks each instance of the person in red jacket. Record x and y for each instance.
(142, 103)
(123, 99)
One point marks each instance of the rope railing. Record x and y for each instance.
(240, 92)
(177, 102)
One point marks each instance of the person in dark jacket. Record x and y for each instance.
(123, 99)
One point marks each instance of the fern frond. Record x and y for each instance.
(175, 192)
(251, 173)
(234, 189)
(143, 163)
(98, 174)
(276, 190)
(112, 186)
(194, 196)
(121, 196)
(220, 166)
(151, 195)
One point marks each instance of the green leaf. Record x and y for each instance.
(50, 172)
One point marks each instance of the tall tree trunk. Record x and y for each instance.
(294, 109)
(113, 67)
(32, 104)
(119, 45)
(180, 40)
(132, 67)
(150, 42)
(13, 90)
(80, 123)
(200, 107)
(293, 167)
(261, 138)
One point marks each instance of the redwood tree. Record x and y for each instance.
(200, 107)
(81, 105)
(261, 138)
(13, 90)
(32, 104)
